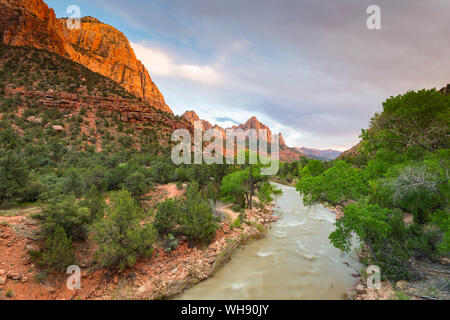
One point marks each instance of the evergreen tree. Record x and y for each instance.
(120, 236)
(58, 253)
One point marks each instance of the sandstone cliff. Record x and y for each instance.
(31, 23)
(192, 117)
(99, 47)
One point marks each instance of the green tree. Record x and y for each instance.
(313, 168)
(167, 216)
(138, 184)
(266, 193)
(338, 183)
(120, 237)
(14, 178)
(95, 203)
(197, 218)
(58, 253)
(64, 211)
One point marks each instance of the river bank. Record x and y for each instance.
(434, 285)
(160, 276)
(294, 261)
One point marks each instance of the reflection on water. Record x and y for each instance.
(294, 261)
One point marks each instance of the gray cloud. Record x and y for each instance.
(310, 68)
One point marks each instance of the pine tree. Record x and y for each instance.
(58, 254)
(95, 203)
(120, 236)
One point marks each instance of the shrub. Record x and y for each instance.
(197, 218)
(14, 179)
(236, 208)
(120, 236)
(167, 216)
(95, 203)
(137, 184)
(64, 211)
(58, 253)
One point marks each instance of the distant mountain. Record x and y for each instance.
(287, 154)
(191, 116)
(328, 154)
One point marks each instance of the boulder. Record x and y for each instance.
(58, 128)
(360, 289)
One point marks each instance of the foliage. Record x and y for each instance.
(95, 203)
(64, 211)
(167, 216)
(120, 237)
(58, 253)
(402, 166)
(266, 193)
(14, 178)
(197, 218)
(338, 183)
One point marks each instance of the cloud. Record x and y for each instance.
(160, 63)
(226, 119)
(308, 68)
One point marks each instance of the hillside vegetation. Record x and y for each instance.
(90, 172)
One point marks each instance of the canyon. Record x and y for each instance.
(105, 50)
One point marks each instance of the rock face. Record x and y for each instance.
(354, 151)
(104, 49)
(328, 154)
(99, 47)
(31, 23)
(253, 123)
(192, 117)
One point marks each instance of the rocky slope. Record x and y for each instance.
(328, 154)
(192, 117)
(287, 154)
(99, 47)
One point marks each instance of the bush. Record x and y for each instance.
(14, 179)
(167, 216)
(137, 184)
(64, 211)
(236, 208)
(197, 218)
(95, 203)
(199, 223)
(58, 253)
(120, 236)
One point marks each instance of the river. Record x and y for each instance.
(294, 261)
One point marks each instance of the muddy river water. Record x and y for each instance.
(294, 261)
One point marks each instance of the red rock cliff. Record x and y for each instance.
(99, 47)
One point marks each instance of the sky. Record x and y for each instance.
(310, 69)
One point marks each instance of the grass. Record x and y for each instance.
(9, 293)
(400, 295)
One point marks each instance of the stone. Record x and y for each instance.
(3, 280)
(360, 289)
(33, 119)
(51, 290)
(58, 128)
(2, 272)
(14, 275)
(401, 285)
